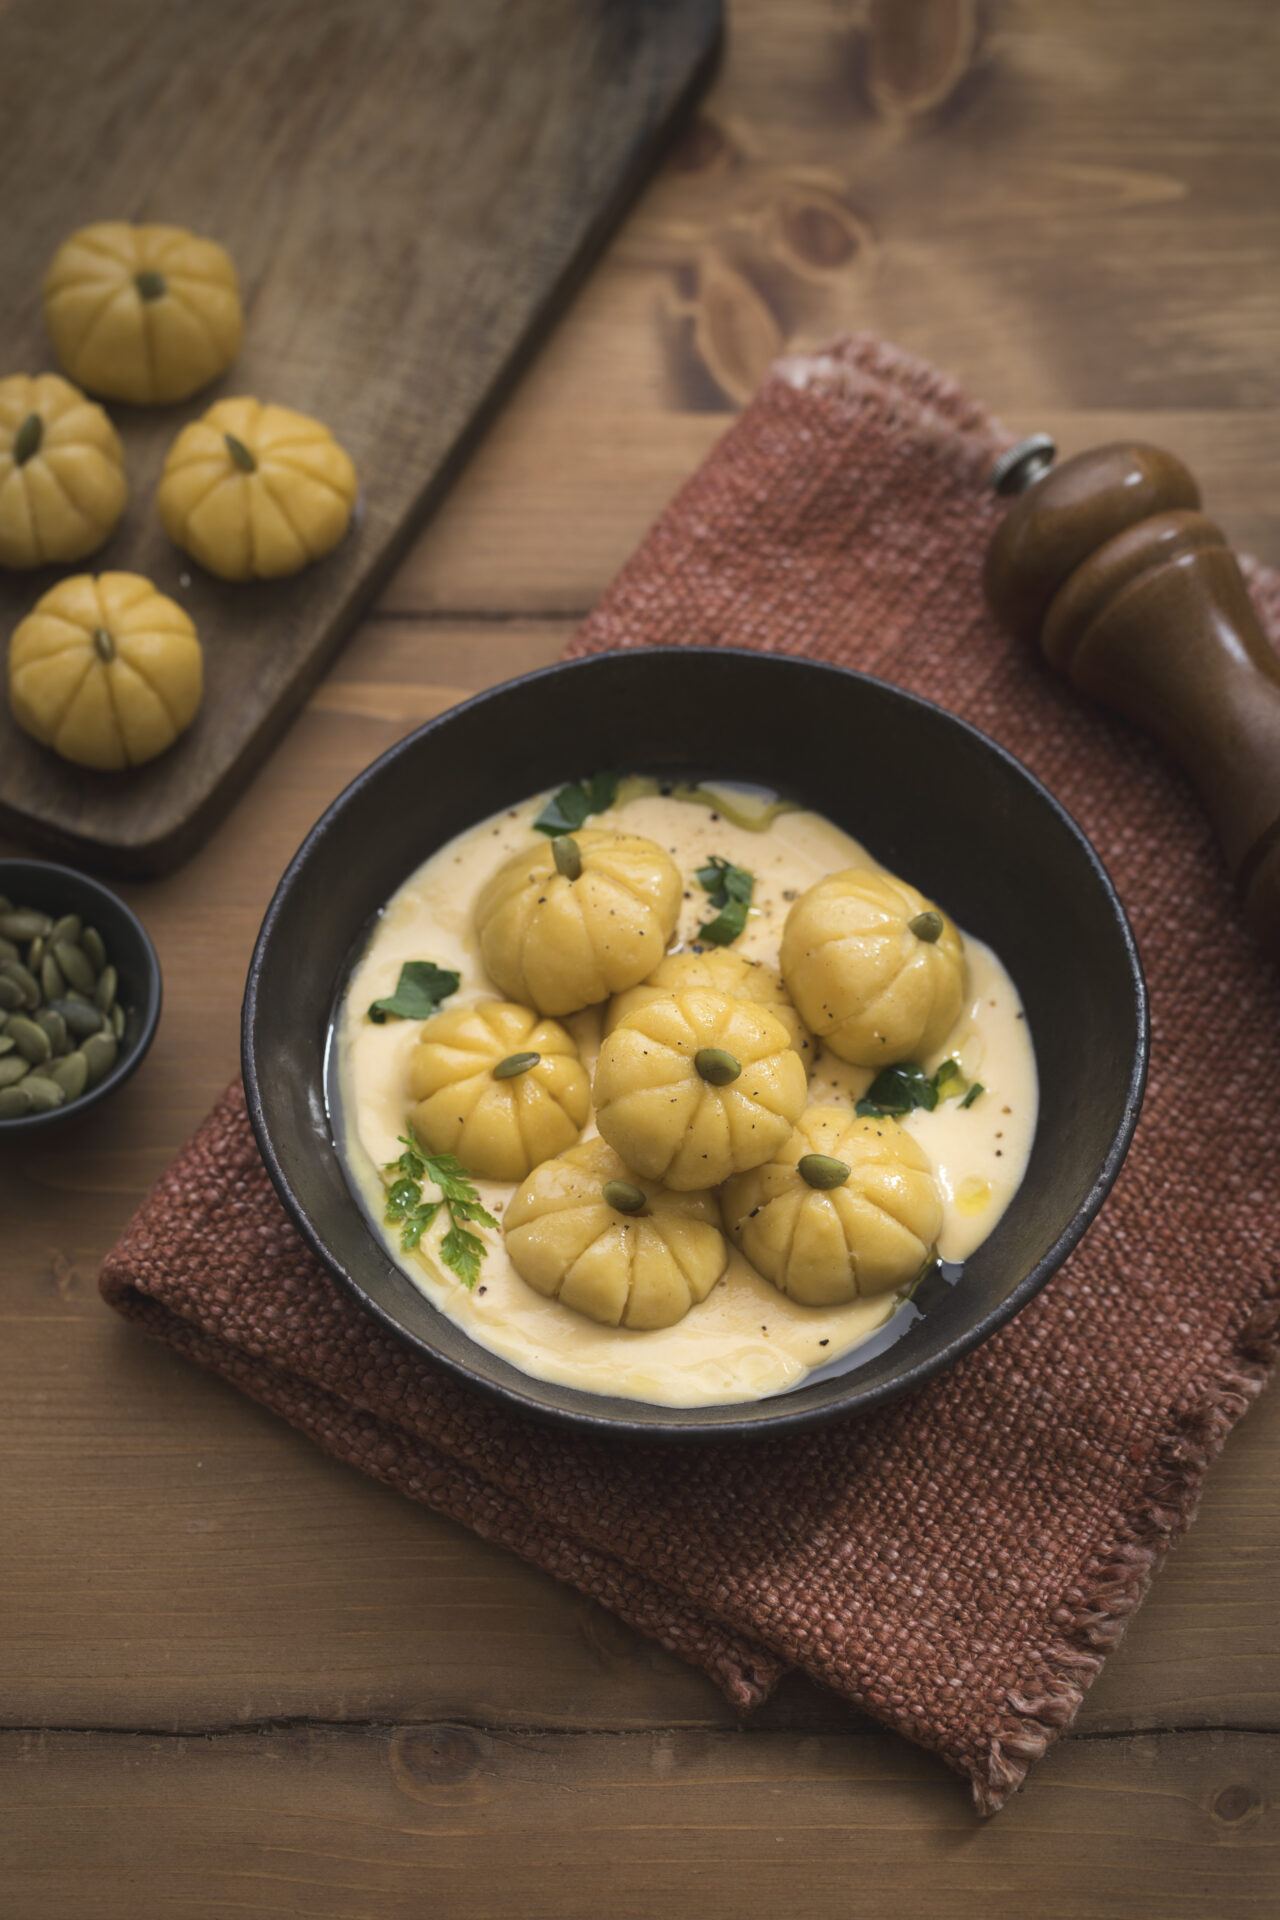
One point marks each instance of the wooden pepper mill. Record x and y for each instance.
(1135, 596)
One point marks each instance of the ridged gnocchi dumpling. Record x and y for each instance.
(848, 1207)
(724, 972)
(498, 1086)
(696, 1086)
(876, 972)
(570, 921)
(588, 1231)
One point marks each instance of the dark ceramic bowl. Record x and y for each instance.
(930, 797)
(58, 890)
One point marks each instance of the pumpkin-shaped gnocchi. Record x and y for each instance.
(498, 1086)
(588, 1231)
(147, 314)
(847, 1208)
(723, 971)
(876, 972)
(254, 491)
(62, 480)
(697, 1086)
(107, 671)
(569, 921)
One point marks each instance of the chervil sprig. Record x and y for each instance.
(730, 889)
(461, 1250)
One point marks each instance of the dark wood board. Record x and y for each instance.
(408, 190)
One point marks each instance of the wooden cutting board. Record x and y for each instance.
(408, 191)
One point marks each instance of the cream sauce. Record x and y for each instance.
(746, 1340)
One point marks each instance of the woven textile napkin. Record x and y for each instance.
(958, 1563)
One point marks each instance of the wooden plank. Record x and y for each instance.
(397, 1822)
(407, 193)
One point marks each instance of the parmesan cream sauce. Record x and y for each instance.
(746, 1340)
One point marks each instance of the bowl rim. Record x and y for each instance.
(768, 1417)
(126, 1063)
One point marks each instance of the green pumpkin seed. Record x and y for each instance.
(51, 979)
(99, 1052)
(515, 1063)
(32, 1042)
(77, 968)
(35, 957)
(43, 1094)
(105, 992)
(26, 441)
(14, 1102)
(55, 1026)
(14, 970)
(9, 950)
(567, 855)
(6, 1044)
(11, 994)
(68, 928)
(716, 1066)
(117, 1021)
(91, 941)
(150, 284)
(71, 1074)
(12, 1069)
(621, 1195)
(927, 926)
(822, 1171)
(81, 999)
(24, 923)
(81, 1019)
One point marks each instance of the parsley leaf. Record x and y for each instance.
(420, 989)
(566, 810)
(901, 1089)
(730, 889)
(460, 1250)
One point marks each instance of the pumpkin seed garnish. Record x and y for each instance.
(716, 1066)
(926, 926)
(240, 454)
(567, 855)
(515, 1063)
(623, 1197)
(26, 440)
(821, 1170)
(150, 285)
(103, 645)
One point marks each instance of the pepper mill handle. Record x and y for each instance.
(1136, 597)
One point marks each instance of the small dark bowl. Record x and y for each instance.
(931, 797)
(57, 890)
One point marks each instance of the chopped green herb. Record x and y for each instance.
(730, 889)
(901, 1089)
(420, 989)
(460, 1250)
(898, 1090)
(566, 810)
(973, 1093)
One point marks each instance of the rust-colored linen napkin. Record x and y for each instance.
(959, 1562)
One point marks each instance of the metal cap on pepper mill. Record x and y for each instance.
(1136, 597)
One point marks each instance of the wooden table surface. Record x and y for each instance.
(241, 1681)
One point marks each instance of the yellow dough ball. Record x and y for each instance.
(147, 314)
(847, 1208)
(877, 973)
(499, 1087)
(105, 670)
(697, 1086)
(254, 491)
(62, 480)
(569, 921)
(588, 1231)
(724, 972)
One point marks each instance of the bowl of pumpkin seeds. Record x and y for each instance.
(79, 994)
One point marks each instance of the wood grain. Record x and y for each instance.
(400, 1821)
(466, 1737)
(408, 192)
